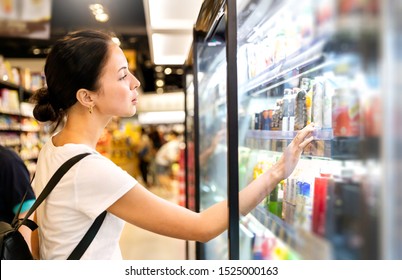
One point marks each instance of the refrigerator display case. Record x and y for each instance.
(316, 62)
(280, 66)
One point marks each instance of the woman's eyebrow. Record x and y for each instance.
(122, 68)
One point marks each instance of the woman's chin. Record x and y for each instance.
(128, 114)
(133, 112)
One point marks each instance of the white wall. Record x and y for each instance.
(161, 108)
(151, 102)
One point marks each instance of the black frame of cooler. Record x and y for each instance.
(202, 35)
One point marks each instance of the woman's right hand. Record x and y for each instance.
(290, 157)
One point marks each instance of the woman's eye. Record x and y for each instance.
(122, 78)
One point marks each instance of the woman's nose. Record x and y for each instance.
(135, 82)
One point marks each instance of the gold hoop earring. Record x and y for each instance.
(90, 109)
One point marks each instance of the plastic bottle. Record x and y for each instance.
(305, 85)
(327, 104)
(292, 109)
(320, 203)
(286, 113)
(275, 200)
(300, 111)
(257, 248)
(318, 101)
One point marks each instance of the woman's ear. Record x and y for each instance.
(85, 97)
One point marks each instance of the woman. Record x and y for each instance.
(88, 82)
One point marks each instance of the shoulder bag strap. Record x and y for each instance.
(88, 237)
(52, 183)
(17, 214)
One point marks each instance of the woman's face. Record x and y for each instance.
(118, 94)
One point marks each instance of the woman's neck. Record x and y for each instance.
(80, 130)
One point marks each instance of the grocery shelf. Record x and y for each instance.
(320, 134)
(302, 58)
(307, 245)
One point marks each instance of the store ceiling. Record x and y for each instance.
(127, 20)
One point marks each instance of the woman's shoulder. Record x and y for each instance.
(51, 155)
(69, 149)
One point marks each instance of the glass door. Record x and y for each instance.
(317, 62)
(209, 60)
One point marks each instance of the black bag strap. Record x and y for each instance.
(16, 219)
(52, 183)
(77, 253)
(92, 231)
(17, 214)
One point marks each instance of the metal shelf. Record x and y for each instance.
(306, 244)
(321, 134)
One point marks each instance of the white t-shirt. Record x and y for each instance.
(85, 191)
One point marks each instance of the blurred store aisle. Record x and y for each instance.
(139, 244)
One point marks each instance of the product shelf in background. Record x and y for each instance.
(304, 244)
(261, 83)
(325, 145)
(319, 134)
(18, 128)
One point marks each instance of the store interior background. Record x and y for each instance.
(156, 36)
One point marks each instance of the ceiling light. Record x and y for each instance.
(170, 29)
(102, 17)
(116, 40)
(99, 12)
(95, 7)
(158, 68)
(168, 71)
(160, 83)
(173, 14)
(170, 49)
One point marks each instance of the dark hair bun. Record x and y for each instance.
(44, 111)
